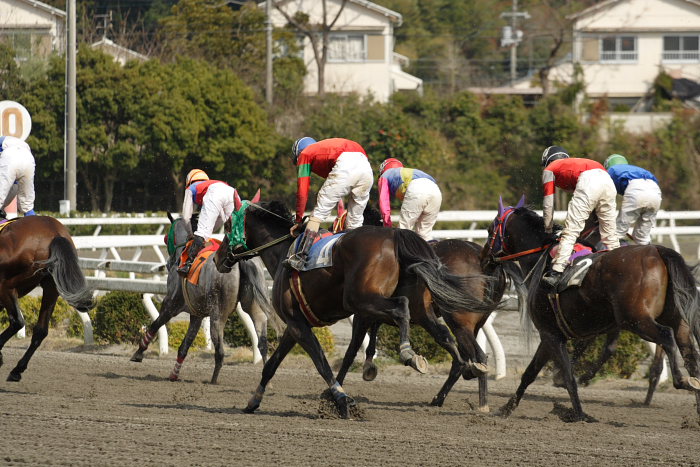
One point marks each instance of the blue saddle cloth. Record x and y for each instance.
(321, 254)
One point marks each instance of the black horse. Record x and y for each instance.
(368, 264)
(648, 290)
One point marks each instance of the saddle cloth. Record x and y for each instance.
(321, 253)
(210, 248)
(5, 222)
(573, 275)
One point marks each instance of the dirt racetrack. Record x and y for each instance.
(96, 409)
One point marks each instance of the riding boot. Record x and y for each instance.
(552, 278)
(298, 260)
(3, 214)
(196, 247)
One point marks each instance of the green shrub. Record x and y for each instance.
(631, 350)
(176, 334)
(235, 334)
(120, 317)
(423, 343)
(75, 324)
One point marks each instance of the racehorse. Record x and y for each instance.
(38, 251)
(368, 263)
(647, 290)
(468, 359)
(215, 296)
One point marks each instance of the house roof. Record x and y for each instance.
(608, 3)
(118, 51)
(391, 14)
(45, 7)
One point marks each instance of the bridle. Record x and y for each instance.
(497, 244)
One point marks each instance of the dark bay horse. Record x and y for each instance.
(215, 296)
(461, 258)
(368, 263)
(648, 290)
(38, 251)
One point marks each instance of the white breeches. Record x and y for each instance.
(595, 191)
(352, 175)
(17, 164)
(420, 207)
(217, 206)
(640, 203)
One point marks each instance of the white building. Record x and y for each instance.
(32, 28)
(622, 45)
(361, 58)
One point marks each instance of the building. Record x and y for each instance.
(32, 28)
(120, 54)
(361, 58)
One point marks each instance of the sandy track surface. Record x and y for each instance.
(95, 409)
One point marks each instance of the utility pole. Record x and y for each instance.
(512, 36)
(268, 70)
(70, 118)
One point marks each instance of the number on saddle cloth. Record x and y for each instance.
(321, 253)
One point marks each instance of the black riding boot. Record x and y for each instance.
(298, 260)
(3, 214)
(195, 248)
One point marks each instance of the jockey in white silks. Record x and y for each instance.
(16, 174)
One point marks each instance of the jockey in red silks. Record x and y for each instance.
(593, 190)
(215, 200)
(16, 174)
(344, 165)
(421, 197)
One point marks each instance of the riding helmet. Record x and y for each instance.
(552, 154)
(299, 145)
(390, 163)
(195, 175)
(614, 159)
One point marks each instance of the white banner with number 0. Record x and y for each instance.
(14, 120)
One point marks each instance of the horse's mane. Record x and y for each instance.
(372, 216)
(533, 220)
(275, 211)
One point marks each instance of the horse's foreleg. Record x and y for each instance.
(167, 312)
(41, 328)
(359, 329)
(452, 377)
(192, 330)
(538, 361)
(657, 366)
(16, 321)
(217, 337)
(286, 342)
(369, 369)
(557, 345)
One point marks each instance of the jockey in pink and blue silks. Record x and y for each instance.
(16, 174)
(215, 200)
(421, 197)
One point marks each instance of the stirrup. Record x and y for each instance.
(296, 261)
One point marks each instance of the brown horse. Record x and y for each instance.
(648, 290)
(38, 251)
(368, 264)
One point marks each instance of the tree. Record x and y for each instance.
(317, 33)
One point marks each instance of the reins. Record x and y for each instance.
(256, 251)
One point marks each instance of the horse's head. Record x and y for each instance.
(177, 236)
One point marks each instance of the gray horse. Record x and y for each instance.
(216, 297)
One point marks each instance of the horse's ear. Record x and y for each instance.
(341, 207)
(170, 217)
(256, 198)
(236, 201)
(521, 203)
(501, 209)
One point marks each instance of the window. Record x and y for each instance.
(27, 43)
(681, 49)
(618, 49)
(347, 48)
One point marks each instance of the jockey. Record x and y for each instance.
(16, 174)
(421, 198)
(641, 198)
(593, 190)
(215, 200)
(344, 165)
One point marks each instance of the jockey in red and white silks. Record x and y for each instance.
(593, 190)
(17, 174)
(421, 197)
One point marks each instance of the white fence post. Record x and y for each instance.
(147, 300)
(489, 333)
(88, 337)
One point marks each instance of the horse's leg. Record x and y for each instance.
(41, 328)
(359, 329)
(452, 377)
(560, 354)
(285, 344)
(259, 318)
(690, 356)
(471, 352)
(168, 310)
(609, 350)
(192, 330)
(369, 369)
(541, 357)
(217, 337)
(9, 302)
(657, 366)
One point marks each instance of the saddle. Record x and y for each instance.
(5, 222)
(210, 248)
(580, 262)
(321, 253)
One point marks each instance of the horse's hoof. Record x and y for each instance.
(343, 404)
(437, 401)
(14, 377)
(419, 363)
(694, 383)
(369, 372)
(173, 378)
(251, 407)
(137, 357)
(479, 369)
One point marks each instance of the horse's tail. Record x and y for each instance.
(254, 284)
(67, 275)
(449, 291)
(682, 288)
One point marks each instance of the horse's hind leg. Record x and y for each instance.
(16, 320)
(657, 366)
(192, 329)
(217, 337)
(168, 310)
(690, 356)
(359, 329)
(41, 328)
(538, 361)
(369, 369)
(609, 350)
